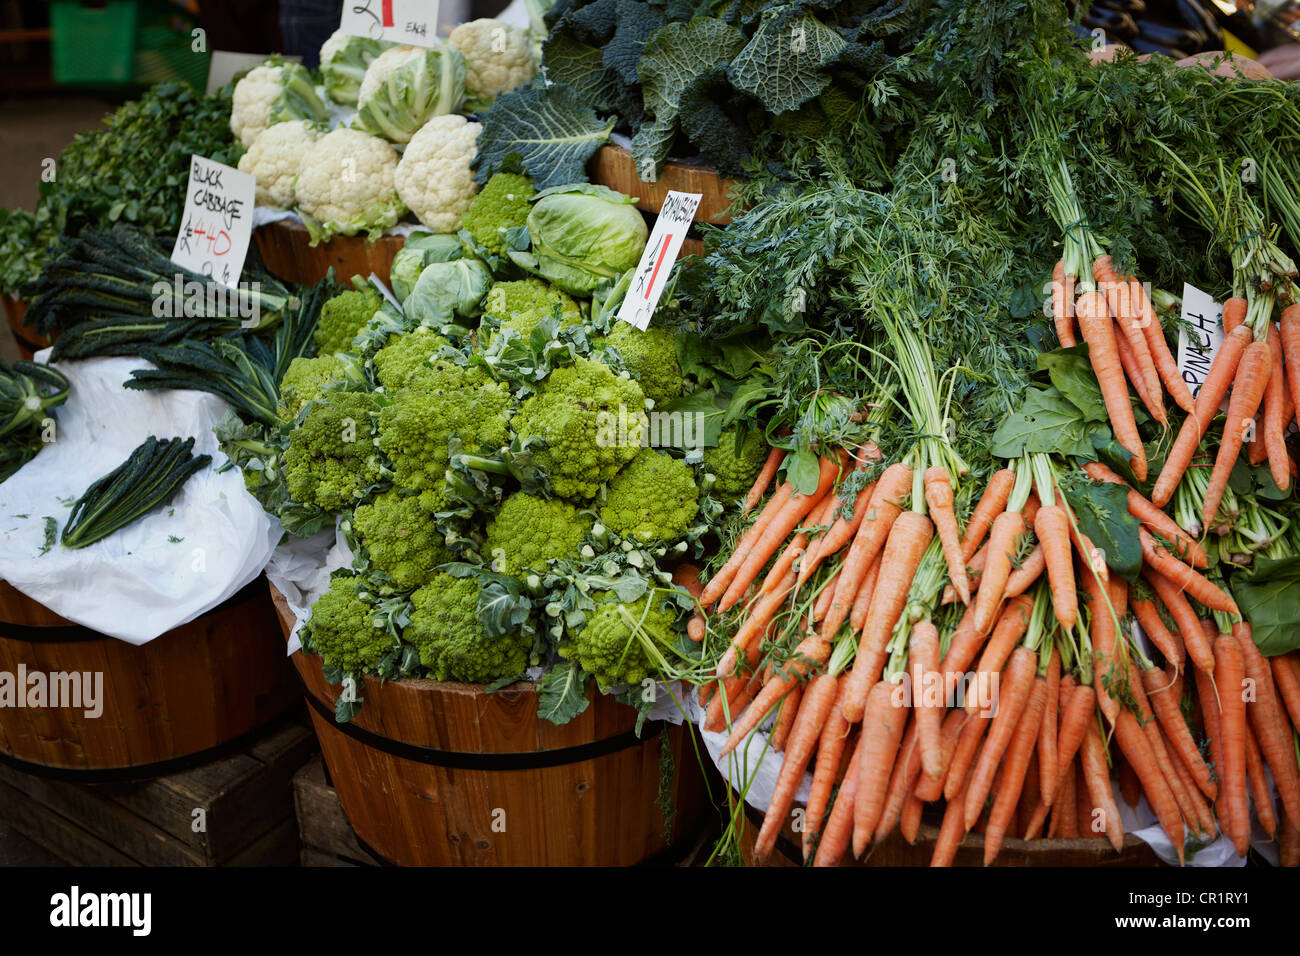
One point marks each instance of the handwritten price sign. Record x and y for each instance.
(218, 221)
(657, 261)
(401, 21)
(1200, 340)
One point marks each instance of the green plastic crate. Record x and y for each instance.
(93, 44)
(164, 48)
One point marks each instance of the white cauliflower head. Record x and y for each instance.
(344, 60)
(346, 186)
(407, 86)
(383, 66)
(275, 159)
(434, 177)
(275, 92)
(497, 58)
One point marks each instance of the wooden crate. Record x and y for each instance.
(246, 804)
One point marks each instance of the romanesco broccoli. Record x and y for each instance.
(735, 468)
(650, 358)
(576, 414)
(397, 361)
(652, 499)
(343, 316)
(446, 629)
(505, 299)
(502, 204)
(305, 380)
(610, 647)
(528, 530)
(400, 535)
(331, 457)
(341, 630)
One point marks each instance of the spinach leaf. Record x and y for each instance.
(1046, 422)
(1102, 512)
(1269, 597)
(1071, 373)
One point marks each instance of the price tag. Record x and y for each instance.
(1199, 341)
(414, 22)
(218, 221)
(657, 261)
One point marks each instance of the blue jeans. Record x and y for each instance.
(306, 25)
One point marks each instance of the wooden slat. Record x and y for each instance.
(612, 166)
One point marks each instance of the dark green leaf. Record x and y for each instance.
(1046, 422)
(552, 130)
(1102, 512)
(562, 692)
(803, 471)
(1071, 372)
(1269, 597)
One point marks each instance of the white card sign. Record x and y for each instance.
(414, 22)
(656, 265)
(218, 221)
(1200, 339)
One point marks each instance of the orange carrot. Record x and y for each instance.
(923, 661)
(786, 719)
(797, 547)
(907, 767)
(1259, 784)
(930, 787)
(1019, 751)
(1095, 325)
(1148, 615)
(760, 616)
(1247, 392)
(963, 755)
(1189, 626)
(823, 602)
(765, 475)
(803, 737)
(1202, 817)
(1075, 715)
(1229, 674)
(1034, 827)
(810, 652)
(1129, 787)
(1096, 775)
(1011, 627)
(720, 581)
(1053, 529)
(1021, 579)
(908, 539)
(1289, 330)
(1269, 722)
(1013, 696)
(1274, 424)
(1004, 542)
(1208, 700)
(1124, 301)
(862, 601)
(1050, 726)
(830, 750)
(909, 823)
(1164, 360)
(1185, 578)
(1289, 845)
(882, 730)
(962, 648)
(838, 535)
(1132, 366)
(839, 825)
(1102, 631)
(1155, 520)
(1286, 677)
(1165, 704)
(1137, 751)
(1062, 303)
(1208, 399)
(952, 831)
(938, 495)
(1065, 814)
(991, 504)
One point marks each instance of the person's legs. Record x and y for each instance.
(306, 25)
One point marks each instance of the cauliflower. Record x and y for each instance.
(305, 380)
(275, 158)
(497, 59)
(652, 499)
(401, 537)
(528, 531)
(331, 456)
(446, 629)
(503, 204)
(347, 186)
(344, 60)
(341, 629)
(576, 415)
(275, 92)
(434, 177)
(734, 467)
(609, 645)
(343, 316)
(407, 86)
(651, 358)
(397, 361)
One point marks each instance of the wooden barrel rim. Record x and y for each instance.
(80, 634)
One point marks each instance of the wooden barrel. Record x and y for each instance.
(436, 774)
(287, 253)
(184, 698)
(612, 166)
(27, 340)
(895, 851)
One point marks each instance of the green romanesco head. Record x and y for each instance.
(397, 361)
(400, 535)
(502, 204)
(576, 414)
(331, 458)
(438, 402)
(446, 629)
(528, 530)
(305, 380)
(505, 299)
(342, 317)
(652, 499)
(651, 358)
(735, 468)
(610, 647)
(341, 631)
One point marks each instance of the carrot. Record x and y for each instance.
(930, 787)
(839, 534)
(803, 737)
(760, 616)
(1004, 540)
(1289, 849)
(1132, 365)
(923, 661)
(1194, 809)
(1124, 300)
(765, 475)
(786, 719)
(962, 648)
(938, 495)
(810, 652)
(1166, 365)
(1011, 627)
(1047, 730)
(1259, 784)
(1222, 372)
(1030, 794)
(1102, 630)
(1148, 615)
(882, 730)
(1286, 676)
(1137, 751)
(886, 505)
(963, 754)
(1034, 827)
(862, 600)
(1129, 787)
(1274, 424)
(952, 831)
(839, 825)
(1096, 776)
(1062, 301)
(1289, 332)
(1189, 626)
(1155, 520)
(1021, 579)
(720, 581)
(909, 824)
(1013, 697)
(991, 504)
(1187, 579)
(785, 521)
(1207, 698)
(1075, 715)
(907, 767)
(823, 602)
(1229, 673)
(1095, 325)
(1052, 527)
(1270, 724)
(908, 539)
(1018, 753)
(797, 547)
(1247, 392)
(1065, 813)
(830, 750)
(1165, 704)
